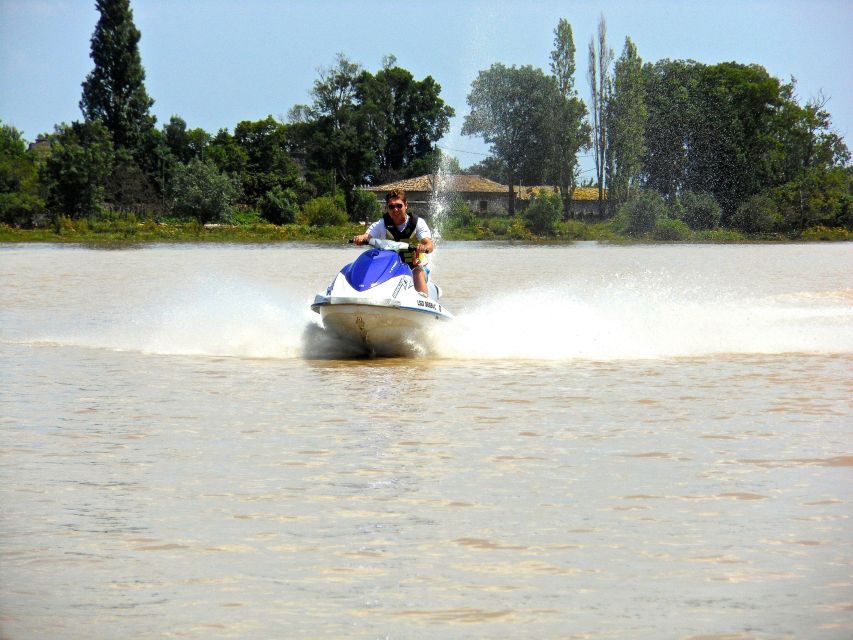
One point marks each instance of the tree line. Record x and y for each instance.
(675, 143)
(360, 128)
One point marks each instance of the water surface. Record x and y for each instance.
(610, 442)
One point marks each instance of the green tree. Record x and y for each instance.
(571, 132)
(805, 137)
(268, 163)
(758, 214)
(599, 75)
(278, 206)
(114, 92)
(625, 113)
(367, 207)
(670, 87)
(324, 211)
(340, 137)
(202, 192)
(366, 129)
(489, 167)
(21, 196)
(228, 156)
(77, 169)
(510, 110)
(128, 188)
(432, 163)
(543, 213)
(732, 132)
(185, 144)
(817, 196)
(411, 115)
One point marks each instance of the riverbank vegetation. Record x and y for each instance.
(251, 228)
(683, 151)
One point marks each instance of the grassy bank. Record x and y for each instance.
(121, 233)
(610, 232)
(127, 233)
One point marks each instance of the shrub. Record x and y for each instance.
(670, 230)
(497, 226)
(201, 192)
(826, 233)
(20, 209)
(543, 213)
(676, 209)
(245, 216)
(701, 211)
(365, 206)
(323, 211)
(759, 214)
(640, 215)
(278, 206)
(518, 230)
(719, 235)
(460, 216)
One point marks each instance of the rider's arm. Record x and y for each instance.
(424, 237)
(372, 232)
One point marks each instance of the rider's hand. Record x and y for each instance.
(359, 240)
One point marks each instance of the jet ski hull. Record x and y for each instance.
(378, 328)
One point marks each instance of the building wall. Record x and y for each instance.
(485, 204)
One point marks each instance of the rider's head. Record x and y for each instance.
(395, 202)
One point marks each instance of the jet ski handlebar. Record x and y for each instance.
(387, 245)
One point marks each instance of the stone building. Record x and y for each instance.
(483, 196)
(584, 199)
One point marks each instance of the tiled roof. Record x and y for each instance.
(580, 193)
(453, 182)
(476, 184)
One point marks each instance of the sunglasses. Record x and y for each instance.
(395, 207)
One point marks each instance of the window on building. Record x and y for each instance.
(484, 206)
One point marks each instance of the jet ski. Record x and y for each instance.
(372, 302)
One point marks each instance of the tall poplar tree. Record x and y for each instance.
(626, 118)
(600, 58)
(114, 92)
(571, 133)
(511, 110)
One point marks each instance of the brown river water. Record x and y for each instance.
(608, 442)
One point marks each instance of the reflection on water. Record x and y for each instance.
(166, 477)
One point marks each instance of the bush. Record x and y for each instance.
(200, 192)
(278, 206)
(676, 209)
(20, 209)
(366, 207)
(640, 215)
(543, 213)
(246, 216)
(759, 214)
(460, 216)
(701, 211)
(323, 211)
(826, 233)
(670, 230)
(518, 230)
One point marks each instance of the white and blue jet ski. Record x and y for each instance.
(372, 303)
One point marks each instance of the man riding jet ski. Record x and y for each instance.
(400, 224)
(383, 302)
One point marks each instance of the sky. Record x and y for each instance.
(215, 63)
